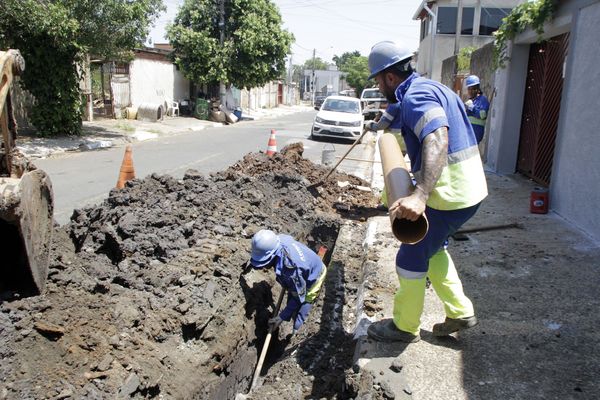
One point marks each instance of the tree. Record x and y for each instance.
(54, 37)
(341, 61)
(357, 70)
(297, 73)
(254, 47)
(318, 64)
(463, 61)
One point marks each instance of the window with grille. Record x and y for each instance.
(491, 19)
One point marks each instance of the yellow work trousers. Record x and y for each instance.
(410, 296)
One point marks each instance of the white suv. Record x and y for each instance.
(372, 102)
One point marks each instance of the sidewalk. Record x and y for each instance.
(106, 133)
(535, 292)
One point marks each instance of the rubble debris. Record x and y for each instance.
(150, 284)
(49, 330)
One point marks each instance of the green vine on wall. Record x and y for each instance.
(531, 14)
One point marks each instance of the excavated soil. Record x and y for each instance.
(148, 295)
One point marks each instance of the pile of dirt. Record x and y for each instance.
(345, 194)
(148, 294)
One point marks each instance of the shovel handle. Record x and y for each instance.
(263, 353)
(344, 156)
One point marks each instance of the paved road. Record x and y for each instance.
(85, 178)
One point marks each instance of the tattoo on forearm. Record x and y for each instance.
(434, 159)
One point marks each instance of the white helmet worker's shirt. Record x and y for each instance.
(298, 267)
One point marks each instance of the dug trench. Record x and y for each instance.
(148, 295)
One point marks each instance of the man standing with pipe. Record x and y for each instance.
(450, 187)
(298, 269)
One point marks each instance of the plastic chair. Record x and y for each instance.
(174, 108)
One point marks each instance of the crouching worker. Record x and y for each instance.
(298, 269)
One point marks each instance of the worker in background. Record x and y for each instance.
(477, 106)
(450, 185)
(298, 269)
(389, 119)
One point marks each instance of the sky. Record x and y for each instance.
(332, 27)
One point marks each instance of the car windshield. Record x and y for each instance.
(372, 94)
(341, 106)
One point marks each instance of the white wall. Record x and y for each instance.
(445, 43)
(505, 119)
(156, 81)
(575, 188)
(575, 180)
(260, 97)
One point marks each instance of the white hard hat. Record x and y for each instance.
(265, 244)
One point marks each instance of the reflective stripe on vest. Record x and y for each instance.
(476, 121)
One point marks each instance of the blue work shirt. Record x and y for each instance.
(297, 270)
(478, 114)
(425, 106)
(391, 118)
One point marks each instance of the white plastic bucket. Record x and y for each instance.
(328, 154)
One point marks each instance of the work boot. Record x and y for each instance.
(386, 331)
(451, 325)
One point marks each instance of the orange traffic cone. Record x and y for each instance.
(127, 172)
(272, 145)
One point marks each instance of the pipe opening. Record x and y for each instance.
(410, 232)
(15, 271)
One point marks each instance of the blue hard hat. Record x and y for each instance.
(472, 80)
(385, 54)
(265, 244)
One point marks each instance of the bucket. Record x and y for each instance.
(202, 110)
(538, 202)
(328, 154)
(131, 112)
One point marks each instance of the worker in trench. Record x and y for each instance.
(450, 186)
(298, 269)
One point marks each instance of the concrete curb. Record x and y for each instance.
(103, 134)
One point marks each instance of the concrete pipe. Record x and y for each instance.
(151, 112)
(398, 184)
(131, 112)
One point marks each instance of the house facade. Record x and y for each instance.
(151, 78)
(155, 79)
(325, 82)
(545, 118)
(449, 25)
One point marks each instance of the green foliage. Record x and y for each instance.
(297, 73)
(54, 36)
(357, 70)
(464, 58)
(254, 48)
(318, 64)
(530, 14)
(340, 61)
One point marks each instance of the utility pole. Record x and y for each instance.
(458, 27)
(222, 42)
(312, 80)
(290, 91)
